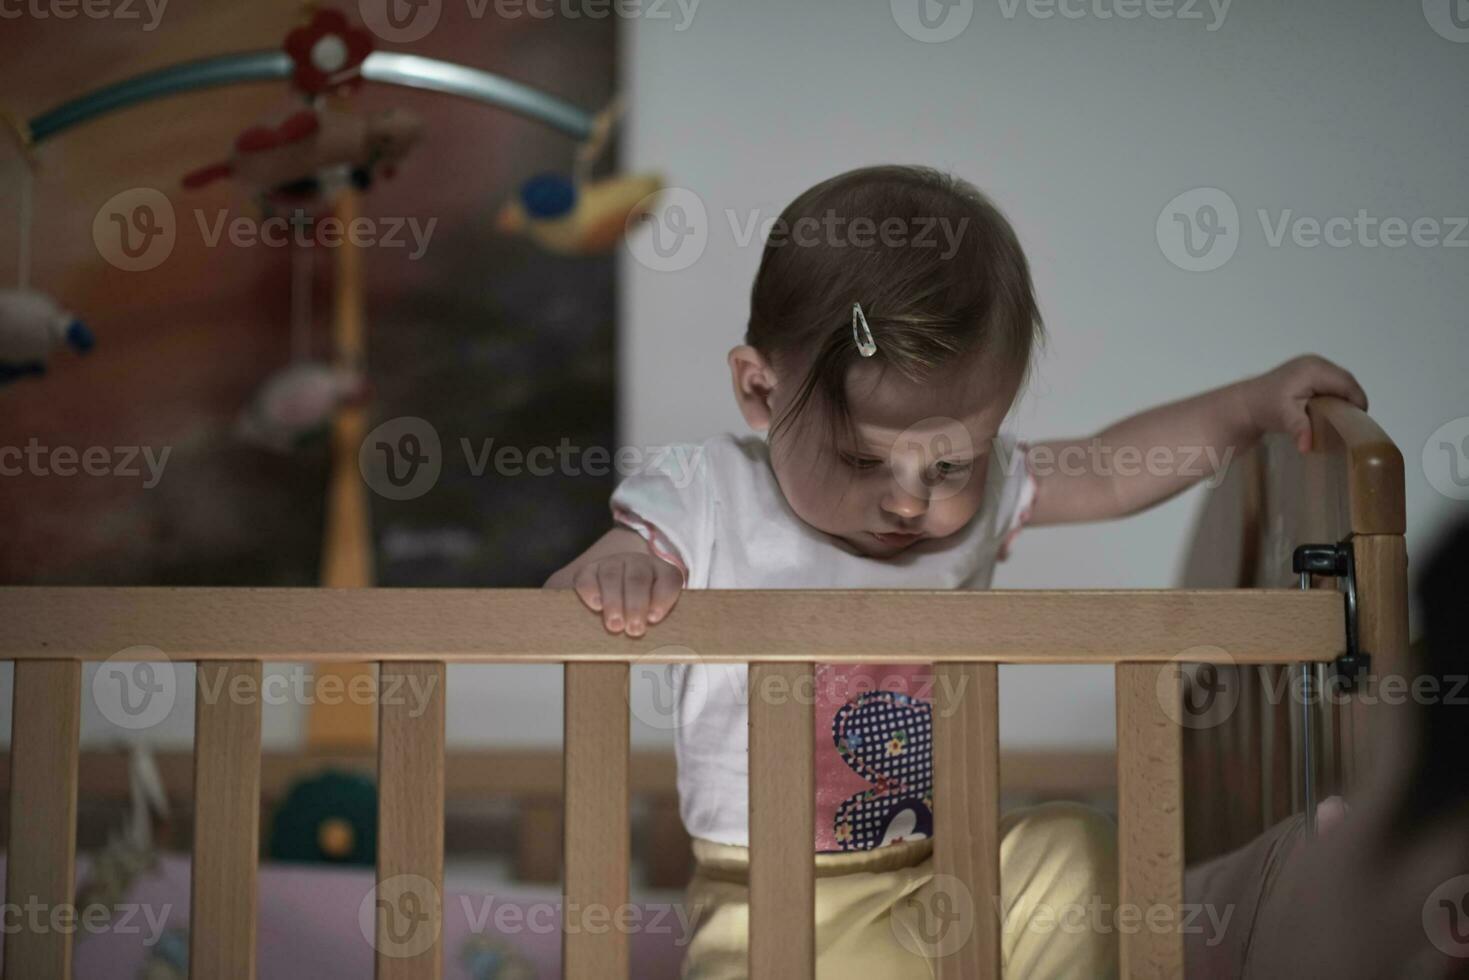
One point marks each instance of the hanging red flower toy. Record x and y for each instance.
(328, 53)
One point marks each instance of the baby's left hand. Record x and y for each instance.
(1277, 399)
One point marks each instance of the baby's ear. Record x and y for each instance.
(754, 385)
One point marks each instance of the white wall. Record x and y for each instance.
(1083, 129)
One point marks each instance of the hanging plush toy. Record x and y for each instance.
(575, 215)
(309, 157)
(32, 325)
(130, 852)
(296, 404)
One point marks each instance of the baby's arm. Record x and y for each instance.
(621, 578)
(1147, 458)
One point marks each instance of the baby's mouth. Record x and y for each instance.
(901, 540)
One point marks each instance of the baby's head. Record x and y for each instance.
(899, 441)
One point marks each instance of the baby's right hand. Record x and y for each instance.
(629, 589)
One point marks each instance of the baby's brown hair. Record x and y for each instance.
(938, 271)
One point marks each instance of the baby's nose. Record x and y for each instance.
(900, 503)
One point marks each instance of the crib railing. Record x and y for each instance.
(411, 634)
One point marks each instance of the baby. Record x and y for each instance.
(878, 371)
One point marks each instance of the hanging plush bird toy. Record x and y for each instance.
(32, 325)
(575, 215)
(297, 403)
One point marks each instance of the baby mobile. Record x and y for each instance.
(33, 325)
(298, 165)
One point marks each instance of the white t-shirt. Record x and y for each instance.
(715, 510)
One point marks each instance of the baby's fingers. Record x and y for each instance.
(587, 588)
(667, 585)
(637, 584)
(609, 579)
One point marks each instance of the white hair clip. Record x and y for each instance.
(866, 346)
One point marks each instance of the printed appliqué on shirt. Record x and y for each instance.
(886, 737)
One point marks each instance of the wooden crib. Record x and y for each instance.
(1353, 483)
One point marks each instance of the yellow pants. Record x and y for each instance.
(1058, 874)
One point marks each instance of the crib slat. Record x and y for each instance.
(598, 841)
(782, 821)
(223, 896)
(45, 727)
(1150, 818)
(966, 823)
(410, 833)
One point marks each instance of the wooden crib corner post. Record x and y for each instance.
(597, 847)
(782, 821)
(1149, 818)
(223, 890)
(1381, 562)
(409, 895)
(41, 859)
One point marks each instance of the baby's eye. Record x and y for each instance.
(947, 468)
(860, 462)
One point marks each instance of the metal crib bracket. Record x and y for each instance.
(1336, 560)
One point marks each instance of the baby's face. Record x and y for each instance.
(917, 471)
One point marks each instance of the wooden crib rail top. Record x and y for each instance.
(317, 625)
